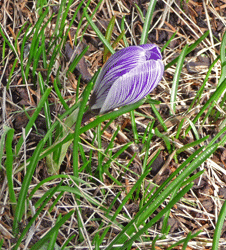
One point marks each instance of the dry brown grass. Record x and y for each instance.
(200, 207)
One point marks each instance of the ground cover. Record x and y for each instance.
(146, 176)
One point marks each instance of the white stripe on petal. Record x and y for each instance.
(123, 60)
(134, 85)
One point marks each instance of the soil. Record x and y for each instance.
(190, 19)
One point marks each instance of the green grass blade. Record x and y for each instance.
(140, 13)
(33, 118)
(153, 159)
(59, 20)
(47, 199)
(50, 178)
(111, 115)
(192, 178)
(223, 71)
(81, 22)
(99, 34)
(62, 101)
(210, 103)
(200, 91)
(5, 130)
(217, 136)
(67, 242)
(92, 15)
(176, 79)
(192, 125)
(108, 36)
(59, 16)
(223, 59)
(174, 174)
(9, 168)
(82, 153)
(6, 39)
(76, 60)
(182, 241)
(154, 242)
(52, 62)
(192, 144)
(46, 106)
(118, 39)
(107, 164)
(154, 109)
(111, 143)
(147, 22)
(42, 199)
(165, 139)
(157, 217)
(39, 52)
(53, 238)
(165, 225)
(128, 196)
(76, 146)
(168, 42)
(56, 201)
(192, 47)
(123, 28)
(145, 133)
(99, 154)
(3, 52)
(61, 133)
(120, 151)
(151, 205)
(40, 6)
(83, 195)
(11, 73)
(219, 226)
(35, 40)
(179, 128)
(64, 16)
(93, 124)
(147, 145)
(25, 186)
(52, 231)
(78, 87)
(23, 49)
(134, 126)
(1, 243)
(69, 112)
(77, 128)
(107, 215)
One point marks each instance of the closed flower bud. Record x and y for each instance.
(127, 77)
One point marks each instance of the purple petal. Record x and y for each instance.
(152, 52)
(134, 85)
(117, 65)
(127, 77)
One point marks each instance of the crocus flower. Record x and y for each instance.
(127, 77)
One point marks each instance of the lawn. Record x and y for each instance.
(79, 171)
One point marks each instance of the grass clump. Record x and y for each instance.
(122, 180)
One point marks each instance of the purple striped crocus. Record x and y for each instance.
(127, 77)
